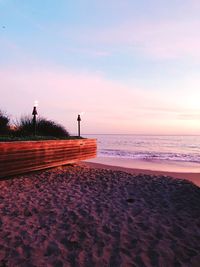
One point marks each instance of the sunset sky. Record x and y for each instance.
(130, 66)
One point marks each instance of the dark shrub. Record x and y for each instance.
(4, 123)
(24, 127)
(51, 128)
(44, 127)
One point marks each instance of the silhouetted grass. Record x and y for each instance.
(4, 123)
(44, 128)
(24, 130)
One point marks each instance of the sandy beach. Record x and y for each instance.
(189, 174)
(92, 215)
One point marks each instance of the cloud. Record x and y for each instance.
(109, 106)
(158, 39)
(189, 116)
(88, 52)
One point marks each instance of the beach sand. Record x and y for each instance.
(85, 216)
(140, 168)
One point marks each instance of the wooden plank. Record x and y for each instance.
(42, 158)
(18, 155)
(36, 147)
(21, 157)
(34, 168)
(32, 148)
(10, 147)
(42, 166)
(46, 162)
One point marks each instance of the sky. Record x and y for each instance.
(130, 67)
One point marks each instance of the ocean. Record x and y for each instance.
(154, 149)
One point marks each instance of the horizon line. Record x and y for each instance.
(141, 134)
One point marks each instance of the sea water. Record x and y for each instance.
(175, 150)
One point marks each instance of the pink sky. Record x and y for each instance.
(131, 66)
(109, 107)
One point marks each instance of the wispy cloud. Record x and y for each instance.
(88, 52)
(165, 39)
(190, 116)
(109, 106)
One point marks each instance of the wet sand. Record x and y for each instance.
(85, 216)
(190, 176)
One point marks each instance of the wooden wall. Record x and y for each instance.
(25, 156)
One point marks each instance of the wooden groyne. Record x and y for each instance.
(25, 156)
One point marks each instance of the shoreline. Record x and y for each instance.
(153, 165)
(190, 176)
